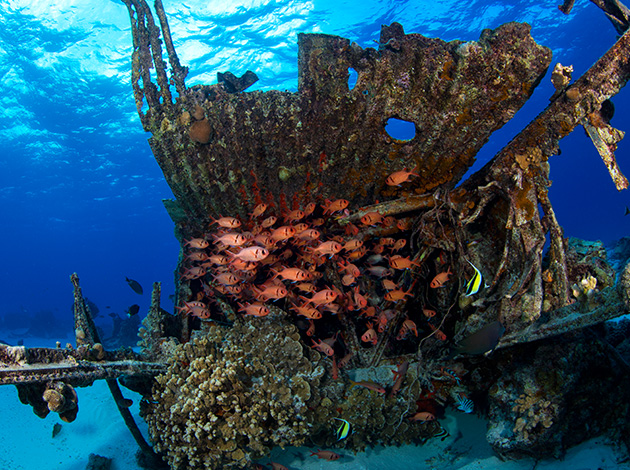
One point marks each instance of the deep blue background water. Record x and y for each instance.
(81, 192)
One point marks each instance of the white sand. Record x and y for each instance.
(26, 442)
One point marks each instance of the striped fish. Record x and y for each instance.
(464, 403)
(473, 286)
(344, 430)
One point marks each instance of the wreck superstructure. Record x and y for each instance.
(231, 387)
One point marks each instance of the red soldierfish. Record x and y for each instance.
(227, 222)
(256, 309)
(324, 296)
(370, 336)
(328, 248)
(231, 239)
(282, 233)
(307, 311)
(252, 253)
(396, 295)
(399, 262)
(323, 347)
(269, 221)
(422, 416)
(441, 278)
(271, 292)
(399, 376)
(326, 454)
(399, 177)
(198, 243)
(335, 206)
(258, 210)
(292, 274)
(371, 218)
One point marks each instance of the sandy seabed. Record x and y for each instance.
(26, 442)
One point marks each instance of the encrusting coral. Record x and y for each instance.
(231, 395)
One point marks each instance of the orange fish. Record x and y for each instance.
(359, 300)
(439, 334)
(196, 256)
(348, 280)
(335, 206)
(310, 207)
(188, 306)
(351, 230)
(292, 274)
(227, 279)
(269, 221)
(352, 244)
(356, 254)
(399, 244)
(200, 312)
(294, 216)
(324, 296)
(389, 284)
(306, 287)
(256, 309)
(308, 235)
(399, 376)
(226, 222)
(423, 416)
(311, 328)
(371, 218)
(299, 228)
(323, 347)
(440, 279)
(307, 311)
(326, 454)
(259, 210)
(199, 243)
(370, 336)
(350, 268)
(327, 248)
(396, 295)
(231, 239)
(428, 313)
(252, 253)
(271, 292)
(219, 260)
(399, 177)
(282, 233)
(409, 325)
(399, 262)
(193, 273)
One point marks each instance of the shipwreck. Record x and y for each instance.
(318, 252)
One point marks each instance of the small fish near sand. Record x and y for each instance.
(56, 429)
(481, 341)
(135, 286)
(133, 310)
(326, 454)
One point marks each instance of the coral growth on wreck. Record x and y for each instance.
(230, 395)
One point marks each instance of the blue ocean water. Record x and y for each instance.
(81, 192)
